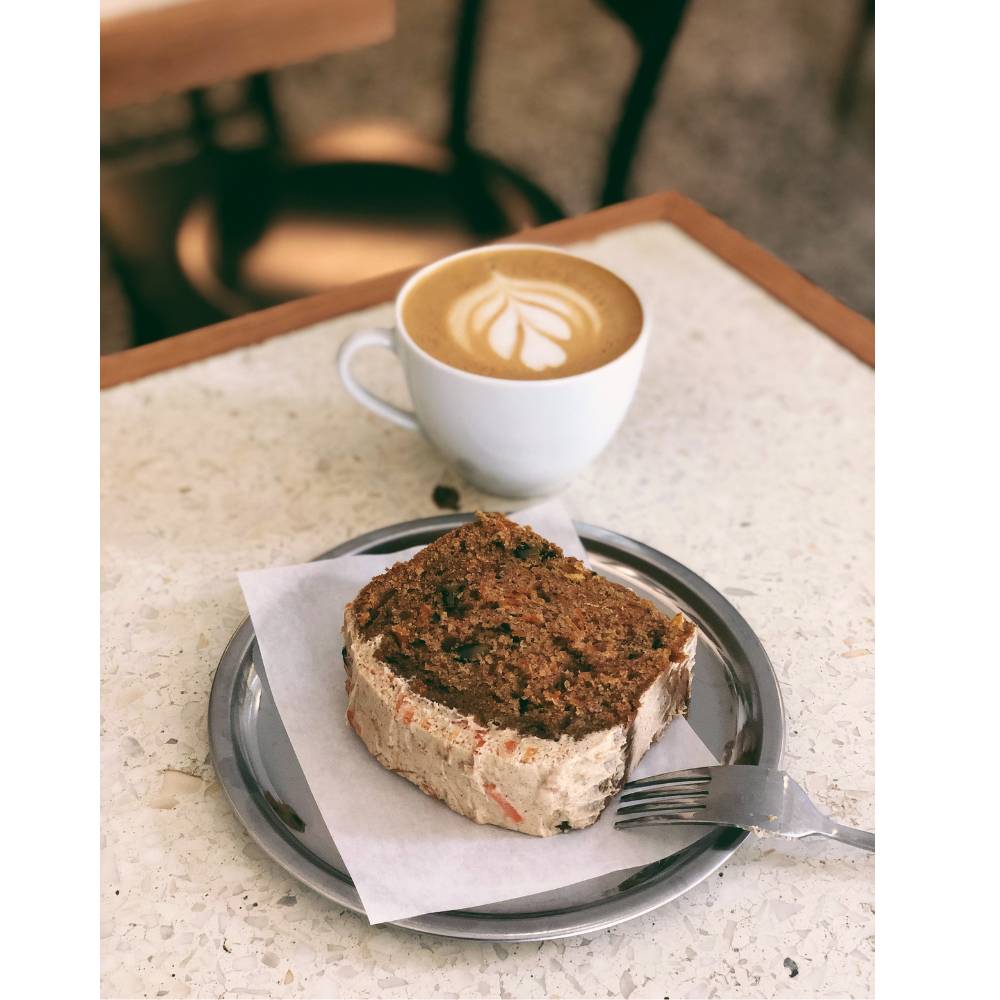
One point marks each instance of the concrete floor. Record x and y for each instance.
(744, 120)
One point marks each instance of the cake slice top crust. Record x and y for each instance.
(494, 621)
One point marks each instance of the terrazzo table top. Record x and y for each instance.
(748, 456)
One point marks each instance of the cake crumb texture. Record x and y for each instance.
(496, 622)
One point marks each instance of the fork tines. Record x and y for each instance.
(664, 798)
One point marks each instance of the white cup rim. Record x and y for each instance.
(540, 383)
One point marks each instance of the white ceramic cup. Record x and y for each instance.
(510, 437)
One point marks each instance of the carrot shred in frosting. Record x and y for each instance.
(509, 810)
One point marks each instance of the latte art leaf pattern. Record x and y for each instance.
(538, 324)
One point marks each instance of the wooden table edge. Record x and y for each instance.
(848, 328)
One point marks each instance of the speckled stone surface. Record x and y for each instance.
(748, 455)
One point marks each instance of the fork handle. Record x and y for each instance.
(848, 835)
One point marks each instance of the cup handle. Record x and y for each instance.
(358, 341)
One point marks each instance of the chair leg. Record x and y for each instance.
(863, 25)
(240, 182)
(656, 40)
(145, 323)
(484, 216)
(261, 98)
(462, 71)
(202, 121)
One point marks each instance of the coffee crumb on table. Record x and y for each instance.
(792, 966)
(446, 497)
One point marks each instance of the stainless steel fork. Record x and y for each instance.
(755, 798)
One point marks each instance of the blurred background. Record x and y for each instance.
(423, 126)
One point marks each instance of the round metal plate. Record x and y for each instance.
(735, 708)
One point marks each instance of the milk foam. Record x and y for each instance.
(538, 323)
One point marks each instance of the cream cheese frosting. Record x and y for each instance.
(496, 775)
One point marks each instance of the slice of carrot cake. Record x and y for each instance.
(510, 681)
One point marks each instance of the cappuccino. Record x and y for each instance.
(522, 314)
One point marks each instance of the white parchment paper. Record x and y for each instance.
(406, 852)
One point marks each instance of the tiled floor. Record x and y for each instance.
(744, 121)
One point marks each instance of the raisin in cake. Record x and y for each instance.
(509, 680)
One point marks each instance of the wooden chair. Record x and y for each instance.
(231, 231)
